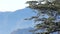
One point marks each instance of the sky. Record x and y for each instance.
(12, 5)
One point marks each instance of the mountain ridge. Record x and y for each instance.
(22, 31)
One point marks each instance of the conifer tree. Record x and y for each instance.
(50, 8)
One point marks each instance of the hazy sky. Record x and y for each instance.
(12, 5)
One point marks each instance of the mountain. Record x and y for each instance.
(10, 21)
(22, 31)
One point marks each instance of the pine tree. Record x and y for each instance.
(49, 24)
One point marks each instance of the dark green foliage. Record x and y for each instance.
(52, 9)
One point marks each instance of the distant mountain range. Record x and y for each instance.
(10, 21)
(22, 31)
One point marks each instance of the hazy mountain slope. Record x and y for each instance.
(22, 31)
(10, 21)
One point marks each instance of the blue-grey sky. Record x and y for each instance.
(10, 21)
